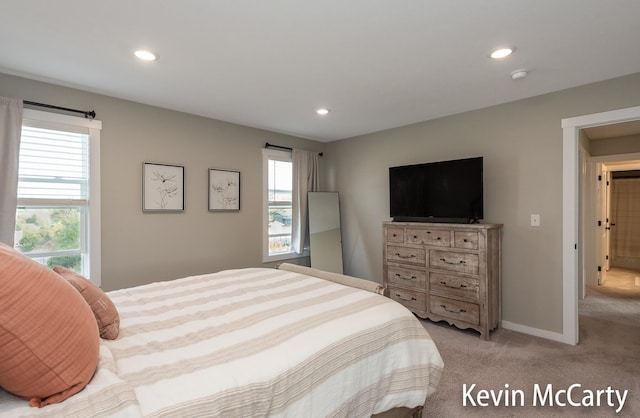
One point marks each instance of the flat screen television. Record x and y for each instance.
(443, 191)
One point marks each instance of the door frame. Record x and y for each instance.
(571, 209)
(620, 162)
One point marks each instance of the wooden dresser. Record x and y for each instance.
(446, 272)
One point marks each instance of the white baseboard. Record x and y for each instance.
(536, 332)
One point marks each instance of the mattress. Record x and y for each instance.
(254, 342)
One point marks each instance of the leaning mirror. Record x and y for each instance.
(325, 238)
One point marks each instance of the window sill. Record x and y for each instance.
(284, 256)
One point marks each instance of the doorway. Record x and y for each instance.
(624, 246)
(610, 216)
(572, 254)
(610, 289)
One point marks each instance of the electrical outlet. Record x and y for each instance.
(535, 220)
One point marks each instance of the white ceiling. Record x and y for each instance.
(377, 64)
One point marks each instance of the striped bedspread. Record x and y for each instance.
(254, 343)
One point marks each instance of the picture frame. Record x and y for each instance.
(162, 187)
(224, 190)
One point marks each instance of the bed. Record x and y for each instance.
(254, 342)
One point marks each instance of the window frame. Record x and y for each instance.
(271, 154)
(90, 241)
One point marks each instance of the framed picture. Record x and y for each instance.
(162, 188)
(224, 190)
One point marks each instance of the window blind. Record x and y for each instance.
(53, 165)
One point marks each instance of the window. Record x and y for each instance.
(58, 214)
(277, 209)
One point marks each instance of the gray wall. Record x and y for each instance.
(613, 146)
(521, 143)
(140, 247)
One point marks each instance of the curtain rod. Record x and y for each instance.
(268, 145)
(89, 114)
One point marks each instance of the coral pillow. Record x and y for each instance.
(49, 340)
(103, 308)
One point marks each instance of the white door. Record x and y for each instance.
(601, 241)
(591, 254)
(610, 223)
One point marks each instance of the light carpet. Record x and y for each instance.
(608, 356)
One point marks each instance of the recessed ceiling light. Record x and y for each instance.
(146, 55)
(501, 53)
(323, 111)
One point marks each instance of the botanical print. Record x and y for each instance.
(224, 190)
(163, 187)
(166, 187)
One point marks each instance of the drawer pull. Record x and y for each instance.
(464, 240)
(405, 256)
(399, 276)
(428, 233)
(399, 296)
(444, 260)
(449, 310)
(394, 235)
(442, 282)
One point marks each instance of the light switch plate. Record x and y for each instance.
(535, 220)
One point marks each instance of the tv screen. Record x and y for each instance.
(444, 191)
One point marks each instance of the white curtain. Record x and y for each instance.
(305, 179)
(10, 130)
(625, 211)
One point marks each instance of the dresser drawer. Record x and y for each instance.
(435, 237)
(407, 277)
(463, 239)
(454, 261)
(454, 286)
(409, 298)
(406, 255)
(455, 309)
(448, 272)
(395, 235)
